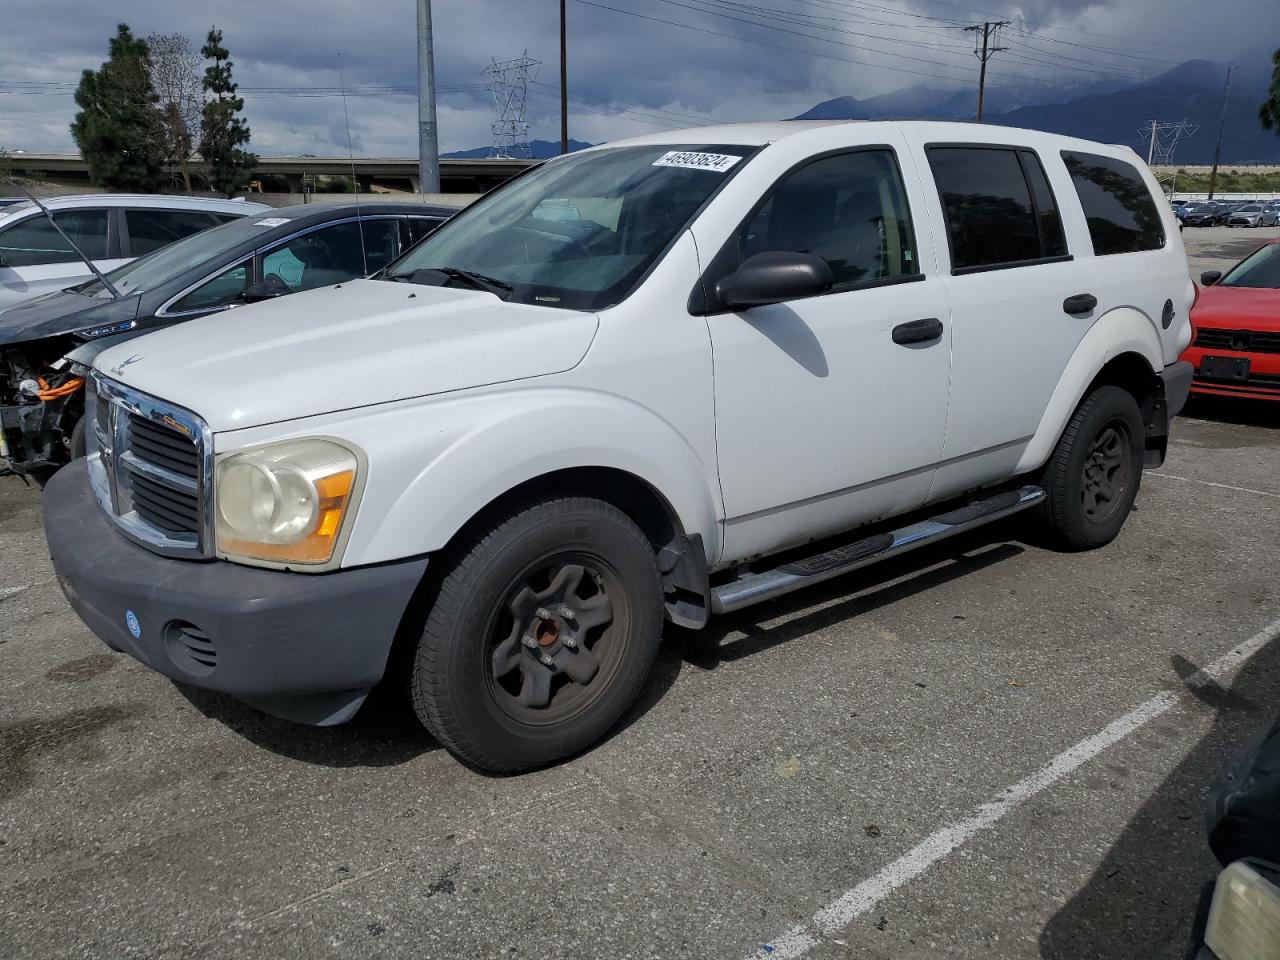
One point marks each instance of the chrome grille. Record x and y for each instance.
(151, 464)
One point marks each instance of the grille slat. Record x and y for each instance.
(1242, 341)
(174, 500)
(161, 457)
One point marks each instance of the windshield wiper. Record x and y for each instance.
(429, 276)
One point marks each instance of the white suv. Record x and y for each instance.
(109, 228)
(671, 376)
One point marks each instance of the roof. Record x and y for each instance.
(162, 201)
(766, 132)
(348, 208)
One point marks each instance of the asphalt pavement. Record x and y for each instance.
(986, 750)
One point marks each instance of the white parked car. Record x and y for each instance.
(663, 378)
(109, 228)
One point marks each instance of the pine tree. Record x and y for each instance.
(223, 133)
(1269, 112)
(118, 126)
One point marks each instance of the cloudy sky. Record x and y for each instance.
(635, 65)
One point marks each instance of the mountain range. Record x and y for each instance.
(1106, 111)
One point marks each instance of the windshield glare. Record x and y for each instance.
(146, 273)
(1260, 269)
(580, 231)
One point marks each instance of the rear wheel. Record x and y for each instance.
(1094, 474)
(541, 635)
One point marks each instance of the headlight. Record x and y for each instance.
(286, 503)
(1244, 920)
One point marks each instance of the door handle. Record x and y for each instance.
(1080, 303)
(918, 331)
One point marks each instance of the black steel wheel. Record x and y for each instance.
(1094, 473)
(542, 633)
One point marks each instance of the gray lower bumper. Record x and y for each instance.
(307, 647)
(1177, 386)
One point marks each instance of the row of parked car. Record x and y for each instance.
(1233, 213)
(165, 260)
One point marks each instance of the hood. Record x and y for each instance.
(361, 343)
(61, 312)
(1234, 308)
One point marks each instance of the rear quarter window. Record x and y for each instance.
(1121, 213)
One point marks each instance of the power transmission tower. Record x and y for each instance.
(1163, 137)
(509, 82)
(428, 143)
(985, 37)
(1222, 125)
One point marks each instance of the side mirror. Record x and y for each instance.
(267, 289)
(1210, 277)
(773, 277)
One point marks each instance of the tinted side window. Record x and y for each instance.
(849, 209)
(1122, 216)
(333, 254)
(992, 219)
(1052, 241)
(34, 241)
(152, 229)
(217, 292)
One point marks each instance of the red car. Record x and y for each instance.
(1236, 348)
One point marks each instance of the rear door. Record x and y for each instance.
(1009, 272)
(147, 230)
(36, 259)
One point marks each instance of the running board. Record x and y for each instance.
(767, 584)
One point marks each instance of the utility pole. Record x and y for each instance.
(1151, 151)
(428, 142)
(984, 51)
(1222, 125)
(564, 87)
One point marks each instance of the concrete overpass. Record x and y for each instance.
(456, 176)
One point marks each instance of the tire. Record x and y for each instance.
(480, 681)
(1093, 476)
(78, 446)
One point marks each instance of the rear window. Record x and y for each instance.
(1122, 215)
(149, 230)
(999, 207)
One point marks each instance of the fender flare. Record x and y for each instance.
(1119, 331)
(494, 444)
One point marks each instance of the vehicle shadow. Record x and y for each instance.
(1234, 410)
(1149, 897)
(384, 733)
(855, 594)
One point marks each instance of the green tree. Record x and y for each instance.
(1269, 112)
(223, 132)
(118, 127)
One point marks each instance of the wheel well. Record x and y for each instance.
(1131, 372)
(637, 499)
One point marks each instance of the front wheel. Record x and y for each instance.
(542, 634)
(1092, 477)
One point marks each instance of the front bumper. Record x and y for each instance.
(1264, 374)
(306, 647)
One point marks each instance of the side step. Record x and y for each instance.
(767, 584)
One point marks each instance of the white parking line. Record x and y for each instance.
(1209, 483)
(840, 912)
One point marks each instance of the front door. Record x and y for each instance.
(823, 421)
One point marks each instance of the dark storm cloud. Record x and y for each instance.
(631, 72)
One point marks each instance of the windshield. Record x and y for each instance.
(578, 232)
(1259, 269)
(150, 271)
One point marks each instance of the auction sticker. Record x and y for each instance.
(697, 160)
(272, 221)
